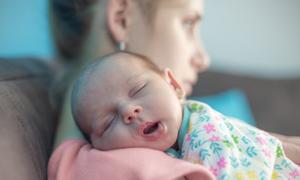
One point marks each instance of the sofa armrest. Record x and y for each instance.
(274, 102)
(27, 121)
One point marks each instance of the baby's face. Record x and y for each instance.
(132, 106)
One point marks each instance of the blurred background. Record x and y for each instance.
(255, 74)
(24, 29)
(251, 37)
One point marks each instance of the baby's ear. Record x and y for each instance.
(172, 81)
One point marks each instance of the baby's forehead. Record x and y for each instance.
(119, 66)
(124, 59)
(112, 69)
(121, 62)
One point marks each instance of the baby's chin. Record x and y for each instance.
(158, 135)
(159, 147)
(169, 142)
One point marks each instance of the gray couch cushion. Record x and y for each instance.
(275, 103)
(27, 121)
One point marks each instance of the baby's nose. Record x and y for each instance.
(130, 113)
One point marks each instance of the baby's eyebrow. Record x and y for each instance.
(134, 78)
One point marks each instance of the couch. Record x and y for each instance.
(275, 103)
(28, 119)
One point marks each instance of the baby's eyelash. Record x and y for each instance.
(135, 91)
(108, 124)
(140, 89)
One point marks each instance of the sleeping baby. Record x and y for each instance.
(123, 100)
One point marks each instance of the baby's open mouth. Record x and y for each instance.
(152, 130)
(151, 127)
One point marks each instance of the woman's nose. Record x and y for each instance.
(200, 61)
(130, 113)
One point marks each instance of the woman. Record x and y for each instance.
(166, 31)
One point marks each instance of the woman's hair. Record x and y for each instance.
(72, 22)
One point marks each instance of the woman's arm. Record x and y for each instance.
(291, 139)
(291, 146)
(292, 151)
(67, 129)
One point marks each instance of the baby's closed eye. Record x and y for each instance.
(135, 91)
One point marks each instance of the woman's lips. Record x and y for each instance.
(152, 130)
(188, 86)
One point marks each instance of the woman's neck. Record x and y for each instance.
(97, 44)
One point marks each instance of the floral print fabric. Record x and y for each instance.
(232, 149)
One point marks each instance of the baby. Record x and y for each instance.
(123, 100)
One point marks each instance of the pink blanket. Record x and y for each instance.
(77, 160)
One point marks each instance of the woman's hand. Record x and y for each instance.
(291, 146)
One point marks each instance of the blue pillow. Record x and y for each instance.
(232, 103)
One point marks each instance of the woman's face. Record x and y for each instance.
(171, 38)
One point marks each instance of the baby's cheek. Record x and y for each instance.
(99, 142)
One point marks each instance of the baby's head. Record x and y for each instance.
(123, 100)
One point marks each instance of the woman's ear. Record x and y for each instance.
(117, 19)
(171, 80)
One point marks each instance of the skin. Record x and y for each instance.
(291, 146)
(116, 118)
(119, 117)
(171, 39)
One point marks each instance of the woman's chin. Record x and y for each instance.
(188, 89)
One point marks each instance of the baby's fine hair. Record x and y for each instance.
(80, 84)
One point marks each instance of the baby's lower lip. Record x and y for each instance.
(156, 134)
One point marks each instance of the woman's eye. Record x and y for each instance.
(189, 24)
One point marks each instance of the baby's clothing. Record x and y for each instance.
(229, 148)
